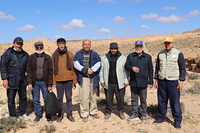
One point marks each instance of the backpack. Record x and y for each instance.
(52, 105)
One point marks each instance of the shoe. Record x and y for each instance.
(49, 121)
(37, 118)
(143, 119)
(131, 118)
(177, 125)
(24, 117)
(107, 116)
(159, 121)
(121, 115)
(71, 118)
(84, 119)
(95, 116)
(59, 119)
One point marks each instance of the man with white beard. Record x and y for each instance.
(139, 64)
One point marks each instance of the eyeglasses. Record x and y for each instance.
(39, 47)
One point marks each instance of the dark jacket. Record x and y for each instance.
(145, 74)
(47, 69)
(14, 68)
(94, 58)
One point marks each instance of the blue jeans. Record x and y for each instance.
(36, 96)
(168, 90)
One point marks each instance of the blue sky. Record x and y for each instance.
(95, 19)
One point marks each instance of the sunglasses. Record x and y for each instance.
(39, 47)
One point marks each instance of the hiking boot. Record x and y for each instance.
(131, 118)
(107, 116)
(24, 117)
(59, 119)
(37, 118)
(71, 118)
(121, 115)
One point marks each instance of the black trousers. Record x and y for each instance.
(119, 94)
(11, 93)
(140, 92)
(65, 87)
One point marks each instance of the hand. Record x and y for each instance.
(49, 88)
(74, 86)
(125, 85)
(54, 85)
(103, 85)
(180, 86)
(5, 83)
(156, 84)
(150, 86)
(89, 71)
(30, 87)
(135, 69)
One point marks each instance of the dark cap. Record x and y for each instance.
(61, 40)
(18, 39)
(38, 43)
(113, 45)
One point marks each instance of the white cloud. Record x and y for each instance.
(27, 28)
(119, 19)
(3, 16)
(171, 19)
(149, 16)
(80, 37)
(144, 26)
(104, 30)
(193, 13)
(78, 23)
(170, 8)
(111, 1)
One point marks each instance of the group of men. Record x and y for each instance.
(114, 71)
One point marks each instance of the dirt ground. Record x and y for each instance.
(190, 124)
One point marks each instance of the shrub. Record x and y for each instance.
(195, 89)
(48, 129)
(192, 76)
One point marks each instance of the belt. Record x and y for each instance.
(38, 79)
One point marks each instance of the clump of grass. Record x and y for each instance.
(195, 89)
(10, 123)
(2, 102)
(48, 129)
(192, 76)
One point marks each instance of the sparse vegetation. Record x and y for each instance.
(11, 123)
(195, 89)
(48, 129)
(2, 102)
(192, 76)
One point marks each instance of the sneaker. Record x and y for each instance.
(24, 117)
(121, 115)
(131, 118)
(95, 116)
(49, 121)
(143, 119)
(177, 125)
(107, 116)
(37, 118)
(84, 119)
(159, 121)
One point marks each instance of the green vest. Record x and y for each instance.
(169, 68)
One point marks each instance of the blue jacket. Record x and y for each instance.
(145, 74)
(13, 68)
(94, 65)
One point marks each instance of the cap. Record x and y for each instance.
(38, 43)
(138, 42)
(113, 45)
(61, 40)
(18, 39)
(168, 39)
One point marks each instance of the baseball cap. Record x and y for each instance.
(138, 42)
(168, 39)
(18, 39)
(38, 43)
(61, 40)
(113, 45)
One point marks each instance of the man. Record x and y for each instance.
(13, 70)
(88, 63)
(169, 76)
(140, 66)
(114, 80)
(64, 76)
(39, 75)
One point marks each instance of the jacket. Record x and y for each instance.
(95, 64)
(122, 74)
(171, 67)
(47, 69)
(14, 69)
(63, 73)
(145, 74)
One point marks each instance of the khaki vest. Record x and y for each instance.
(169, 68)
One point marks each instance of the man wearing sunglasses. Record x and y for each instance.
(39, 74)
(13, 69)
